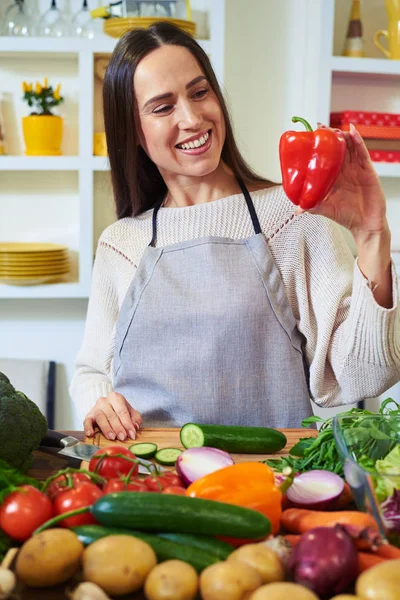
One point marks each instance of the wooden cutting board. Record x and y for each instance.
(167, 438)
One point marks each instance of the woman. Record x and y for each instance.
(212, 299)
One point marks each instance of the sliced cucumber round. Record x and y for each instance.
(167, 456)
(144, 449)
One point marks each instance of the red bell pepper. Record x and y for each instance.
(310, 163)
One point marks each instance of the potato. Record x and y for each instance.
(282, 591)
(49, 558)
(118, 564)
(346, 597)
(220, 581)
(381, 582)
(261, 558)
(171, 580)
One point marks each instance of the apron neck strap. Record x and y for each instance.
(249, 202)
(250, 206)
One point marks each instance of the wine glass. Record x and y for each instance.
(53, 23)
(82, 23)
(17, 20)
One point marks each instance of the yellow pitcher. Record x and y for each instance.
(392, 33)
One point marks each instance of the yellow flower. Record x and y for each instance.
(38, 89)
(46, 82)
(24, 86)
(56, 95)
(29, 87)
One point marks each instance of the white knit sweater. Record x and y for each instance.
(353, 344)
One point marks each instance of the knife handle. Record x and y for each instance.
(55, 439)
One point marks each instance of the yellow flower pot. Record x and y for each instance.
(42, 135)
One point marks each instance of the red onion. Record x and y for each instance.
(324, 561)
(195, 463)
(315, 489)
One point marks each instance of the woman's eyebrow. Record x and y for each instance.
(170, 94)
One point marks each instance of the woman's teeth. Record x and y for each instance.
(195, 143)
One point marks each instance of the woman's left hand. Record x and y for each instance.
(356, 201)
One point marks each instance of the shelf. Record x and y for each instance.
(10, 46)
(40, 163)
(376, 67)
(55, 290)
(387, 169)
(99, 163)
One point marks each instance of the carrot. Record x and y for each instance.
(292, 539)
(388, 551)
(367, 560)
(299, 520)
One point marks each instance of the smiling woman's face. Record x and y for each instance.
(181, 121)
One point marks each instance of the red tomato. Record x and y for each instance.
(117, 485)
(177, 490)
(173, 479)
(60, 484)
(112, 466)
(156, 483)
(23, 511)
(85, 494)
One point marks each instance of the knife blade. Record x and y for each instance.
(74, 448)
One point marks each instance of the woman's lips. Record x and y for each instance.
(200, 149)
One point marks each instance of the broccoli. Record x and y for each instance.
(22, 426)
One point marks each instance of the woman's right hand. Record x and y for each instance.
(114, 416)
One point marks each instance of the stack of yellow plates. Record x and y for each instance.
(24, 263)
(116, 27)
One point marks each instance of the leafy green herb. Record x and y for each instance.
(374, 439)
(11, 478)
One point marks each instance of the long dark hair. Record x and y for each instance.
(137, 182)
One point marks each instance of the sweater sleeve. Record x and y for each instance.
(92, 377)
(352, 343)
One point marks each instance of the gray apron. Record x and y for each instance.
(206, 334)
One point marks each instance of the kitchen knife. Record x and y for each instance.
(73, 448)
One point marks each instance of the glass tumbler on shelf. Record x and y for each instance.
(17, 20)
(82, 23)
(52, 23)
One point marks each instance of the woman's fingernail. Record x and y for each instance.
(137, 426)
(111, 436)
(121, 436)
(132, 434)
(88, 433)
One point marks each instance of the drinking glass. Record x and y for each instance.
(53, 23)
(82, 23)
(17, 20)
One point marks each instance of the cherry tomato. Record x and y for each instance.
(112, 466)
(85, 494)
(173, 478)
(156, 483)
(23, 511)
(177, 490)
(60, 484)
(117, 485)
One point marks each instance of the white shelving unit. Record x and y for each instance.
(358, 84)
(70, 60)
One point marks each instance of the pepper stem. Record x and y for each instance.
(305, 123)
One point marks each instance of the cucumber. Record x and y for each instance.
(181, 514)
(233, 438)
(168, 456)
(164, 549)
(207, 543)
(144, 449)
